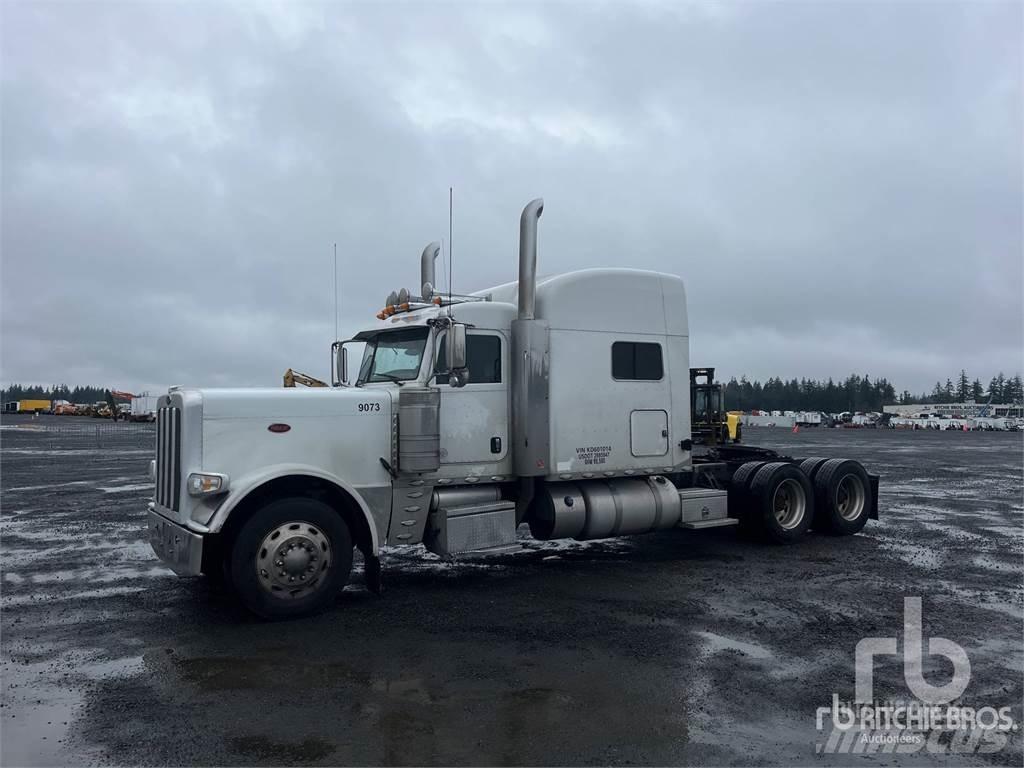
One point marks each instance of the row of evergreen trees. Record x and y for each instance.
(81, 395)
(1001, 390)
(855, 393)
(861, 393)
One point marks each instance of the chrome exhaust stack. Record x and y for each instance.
(428, 278)
(528, 258)
(530, 365)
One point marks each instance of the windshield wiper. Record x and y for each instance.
(391, 377)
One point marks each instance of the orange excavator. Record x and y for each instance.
(292, 378)
(112, 410)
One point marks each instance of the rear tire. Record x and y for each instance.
(739, 492)
(810, 468)
(782, 502)
(291, 558)
(843, 496)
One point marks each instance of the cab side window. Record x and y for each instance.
(636, 361)
(483, 356)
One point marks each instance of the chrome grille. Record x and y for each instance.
(168, 457)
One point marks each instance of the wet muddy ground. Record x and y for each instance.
(675, 648)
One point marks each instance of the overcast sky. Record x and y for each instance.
(840, 184)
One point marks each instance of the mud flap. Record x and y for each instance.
(371, 570)
(873, 514)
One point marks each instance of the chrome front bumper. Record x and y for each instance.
(179, 548)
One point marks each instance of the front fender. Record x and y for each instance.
(245, 485)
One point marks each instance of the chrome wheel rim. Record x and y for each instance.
(789, 504)
(850, 497)
(293, 560)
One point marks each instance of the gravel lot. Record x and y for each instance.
(675, 648)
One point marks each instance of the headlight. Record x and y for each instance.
(206, 483)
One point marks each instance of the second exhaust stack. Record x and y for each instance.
(530, 362)
(528, 258)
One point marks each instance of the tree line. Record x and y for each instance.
(82, 395)
(861, 393)
(854, 393)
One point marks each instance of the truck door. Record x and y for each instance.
(474, 418)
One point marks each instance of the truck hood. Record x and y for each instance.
(278, 403)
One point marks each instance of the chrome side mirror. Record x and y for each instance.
(459, 374)
(339, 372)
(457, 346)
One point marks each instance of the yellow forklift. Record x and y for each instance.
(710, 423)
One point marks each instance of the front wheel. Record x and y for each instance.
(291, 558)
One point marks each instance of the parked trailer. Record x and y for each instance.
(143, 408)
(34, 406)
(562, 403)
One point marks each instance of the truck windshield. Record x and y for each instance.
(393, 355)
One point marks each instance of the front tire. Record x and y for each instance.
(291, 558)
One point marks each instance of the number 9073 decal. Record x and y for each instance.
(369, 407)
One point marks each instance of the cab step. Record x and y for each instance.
(501, 549)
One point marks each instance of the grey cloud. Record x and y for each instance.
(839, 184)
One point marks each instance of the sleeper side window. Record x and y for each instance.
(483, 357)
(636, 361)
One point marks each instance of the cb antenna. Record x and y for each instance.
(451, 262)
(335, 291)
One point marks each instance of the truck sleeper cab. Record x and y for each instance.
(562, 403)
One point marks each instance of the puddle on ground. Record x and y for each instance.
(34, 734)
(37, 715)
(48, 486)
(717, 643)
(125, 488)
(88, 575)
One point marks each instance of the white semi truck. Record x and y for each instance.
(562, 403)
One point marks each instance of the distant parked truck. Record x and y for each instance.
(143, 408)
(808, 419)
(34, 406)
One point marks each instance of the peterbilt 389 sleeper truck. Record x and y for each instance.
(562, 403)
